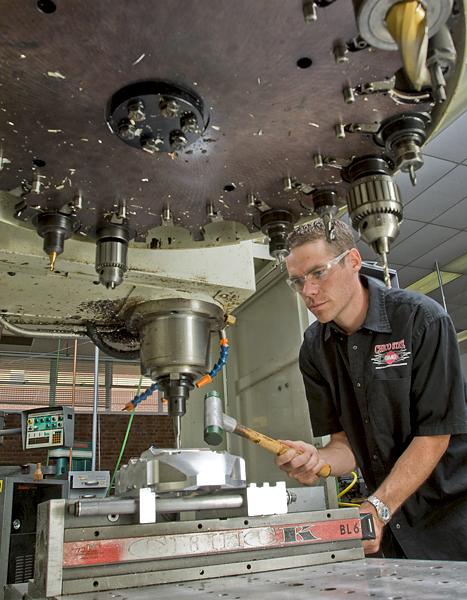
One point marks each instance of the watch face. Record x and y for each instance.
(384, 513)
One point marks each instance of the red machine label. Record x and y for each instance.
(206, 542)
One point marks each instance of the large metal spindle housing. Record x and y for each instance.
(374, 205)
(175, 348)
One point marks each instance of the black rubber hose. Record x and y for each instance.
(106, 348)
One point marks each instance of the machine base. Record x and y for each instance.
(378, 578)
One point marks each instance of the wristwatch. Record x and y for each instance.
(383, 511)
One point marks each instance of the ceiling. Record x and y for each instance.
(271, 95)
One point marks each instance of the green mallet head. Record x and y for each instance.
(213, 419)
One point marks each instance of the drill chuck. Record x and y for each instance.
(111, 254)
(375, 208)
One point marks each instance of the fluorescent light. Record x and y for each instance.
(458, 265)
(450, 271)
(431, 282)
(461, 336)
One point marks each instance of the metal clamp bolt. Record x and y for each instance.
(349, 96)
(126, 129)
(309, 12)
(77, 202)
(169, 108)
(177, 140)
(318, 161)
(189, 124)
(148, 144)
(136, 110)
(339, 131)
(251, 200)
(340, 54)
(36, 186)
(167, 216)
(210, 212)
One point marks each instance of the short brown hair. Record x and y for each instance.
(315, 230)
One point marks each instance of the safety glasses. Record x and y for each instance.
(315, 275)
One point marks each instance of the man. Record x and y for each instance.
(383, 377)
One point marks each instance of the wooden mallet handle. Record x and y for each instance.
(273, 445)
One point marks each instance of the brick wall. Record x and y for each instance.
(146, 431)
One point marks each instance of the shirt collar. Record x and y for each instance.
(376, 317)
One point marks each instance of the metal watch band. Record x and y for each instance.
(382, 510)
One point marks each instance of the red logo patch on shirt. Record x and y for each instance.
(392, 354)
(390, 358)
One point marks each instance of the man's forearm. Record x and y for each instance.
(338, 455)
(413, 467)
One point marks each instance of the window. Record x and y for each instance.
(28, 380)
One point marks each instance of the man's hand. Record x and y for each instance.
(372, 546)
(304, 467)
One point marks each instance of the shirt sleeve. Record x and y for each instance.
(438, 393)
(323, 414)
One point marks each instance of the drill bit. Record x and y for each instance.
(381, 247)
(52, 258)
(280, 259)
(406, 22)
(328, 227)
(384, 260)
(177, 430)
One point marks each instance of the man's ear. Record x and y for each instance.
(355, 260)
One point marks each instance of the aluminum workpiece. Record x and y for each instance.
(361, 579)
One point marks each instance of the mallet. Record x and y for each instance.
(216, 422)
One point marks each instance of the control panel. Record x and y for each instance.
(49, 427)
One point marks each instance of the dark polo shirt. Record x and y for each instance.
(396, 377)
